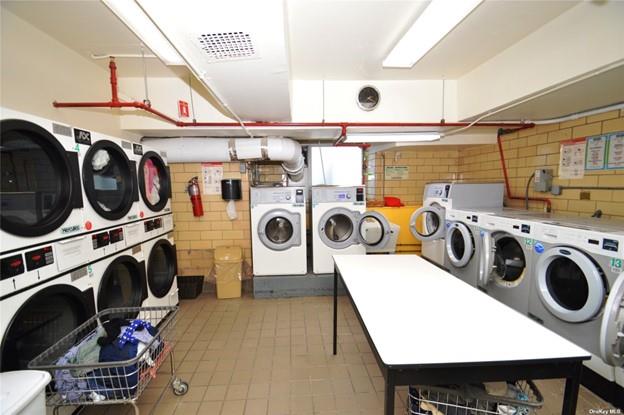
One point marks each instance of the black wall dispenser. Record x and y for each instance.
(231, 189)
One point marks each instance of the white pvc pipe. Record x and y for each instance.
(204, 149)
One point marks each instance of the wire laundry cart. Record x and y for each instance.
(108, 383)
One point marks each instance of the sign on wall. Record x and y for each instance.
(596, 152)
(396, 172)
(572, 159)
(615, 151)
(212, 173)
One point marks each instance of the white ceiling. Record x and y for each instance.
(328, 39)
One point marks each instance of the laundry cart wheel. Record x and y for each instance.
(180, 387)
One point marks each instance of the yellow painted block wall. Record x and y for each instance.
(538, 147)
(425, 164)
(197, 237)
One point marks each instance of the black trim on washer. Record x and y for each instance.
(59, 275)
(84, 299)
(602, 387)
(172, 267)
(164, 177)
(51, 241)
(123, 162)
(70, 188)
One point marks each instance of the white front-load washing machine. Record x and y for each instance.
(578, 262)
(507, 258)
(428, 224)
(119, 280)
(154, 182)
(463, 244)
(341, 225)
(40, 188)
(35, 318)
(161, 270)
(278, 230)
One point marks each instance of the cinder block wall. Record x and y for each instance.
(529, 149)
(197, 237)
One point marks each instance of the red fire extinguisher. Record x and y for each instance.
(193, 191)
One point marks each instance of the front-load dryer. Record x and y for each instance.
(428, 224)
(278, 230)
(507, 258)
(341, 225)
(109, 181)
(154, 182)
(119, 280)
(161, 270)
(612, 337)
(40, 188)
(35, 318)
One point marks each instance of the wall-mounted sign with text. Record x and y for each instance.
(396, 172)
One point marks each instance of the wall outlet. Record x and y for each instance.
(585, 195)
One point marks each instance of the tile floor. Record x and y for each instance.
(273, 356)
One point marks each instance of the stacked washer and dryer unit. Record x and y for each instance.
(78, 210)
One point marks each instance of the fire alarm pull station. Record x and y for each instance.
(543, 180)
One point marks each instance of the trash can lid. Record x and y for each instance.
(19, 388)
(228, 254)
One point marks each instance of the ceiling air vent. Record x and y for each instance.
(227, 46)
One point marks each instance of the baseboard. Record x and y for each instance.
(294, 286)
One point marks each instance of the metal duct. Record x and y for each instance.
(203, 149)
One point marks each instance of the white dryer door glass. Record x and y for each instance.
(569, 284)
(612, 328)
(280, 229)
(460, 244)
(427, 223)
(374, 229)
(509, 260)
(338, 228)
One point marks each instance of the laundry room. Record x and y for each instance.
(312, 207)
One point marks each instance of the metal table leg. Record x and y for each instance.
(572, 386)
(389, 394)
(335, 310)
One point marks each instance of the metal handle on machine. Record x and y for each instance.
(486, 259)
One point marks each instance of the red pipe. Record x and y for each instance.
(502, 132)
(116, 103)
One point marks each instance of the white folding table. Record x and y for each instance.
(427, 327)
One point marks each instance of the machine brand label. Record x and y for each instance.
(70, 229)
(137, 149)
(616, 265)
(82, 136)
(529, 241)
(133, 217)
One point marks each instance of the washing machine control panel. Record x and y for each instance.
(100, 239)
(299, 197)
(284, 195)
(116, 235)
(11, 266)
(39, 257)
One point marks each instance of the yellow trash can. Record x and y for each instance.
(228, 271)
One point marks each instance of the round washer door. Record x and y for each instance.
(154, 181)
(509, 260)
(39, 184)
(123, 284)
(431, 219)
(569, 284)
(338, 228)
(374, 229)
(109, 180)
(280, 229)
(612, 327)
(42, 320)
(162, 267)
(460, 244)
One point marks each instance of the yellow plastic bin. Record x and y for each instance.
(228, 271)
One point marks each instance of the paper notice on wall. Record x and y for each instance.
(212, 173)
(396, 172)
(572, 160)
(615, 151)
(595, 152)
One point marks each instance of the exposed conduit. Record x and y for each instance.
(198, 149)
(502, 132)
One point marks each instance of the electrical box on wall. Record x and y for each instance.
(543, 180)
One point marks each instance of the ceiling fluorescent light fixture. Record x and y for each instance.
(435, 22)
(391, 137)
(132, 15)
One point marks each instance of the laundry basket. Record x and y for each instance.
(228, 271)
(525, 399)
